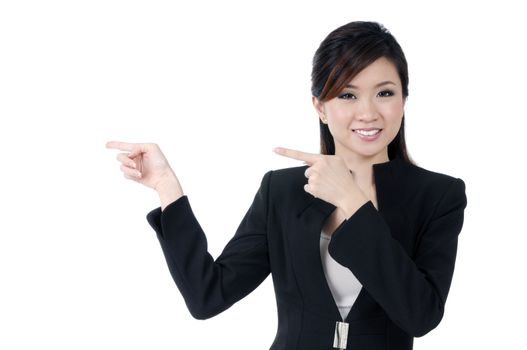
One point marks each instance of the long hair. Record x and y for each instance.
(341, 56)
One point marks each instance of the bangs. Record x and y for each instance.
(351, 63)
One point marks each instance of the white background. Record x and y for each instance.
(218, 84)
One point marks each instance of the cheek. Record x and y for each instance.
(393, 112)
(340, 115)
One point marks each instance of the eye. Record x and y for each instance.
(388, 93)
(346, 96)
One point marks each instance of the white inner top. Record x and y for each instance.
(343, 284)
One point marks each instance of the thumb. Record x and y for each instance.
(136, 151)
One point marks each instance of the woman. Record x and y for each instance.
(361, 242)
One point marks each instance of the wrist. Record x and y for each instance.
(350, 204)
(169, 190)
(167, 180)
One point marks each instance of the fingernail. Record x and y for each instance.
(134, 166)
(138, 174)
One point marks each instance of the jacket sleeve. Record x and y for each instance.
(412, 292)
(207, 286)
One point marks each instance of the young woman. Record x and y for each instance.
(361, 242)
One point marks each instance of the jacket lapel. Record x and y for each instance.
(308, 264)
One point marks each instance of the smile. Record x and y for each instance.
(368, 135)
(367, 132)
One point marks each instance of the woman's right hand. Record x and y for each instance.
(146, 164)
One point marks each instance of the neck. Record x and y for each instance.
(361, 166)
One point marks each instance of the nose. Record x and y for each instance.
(366, 110)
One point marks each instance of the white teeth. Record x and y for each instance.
(368, 133)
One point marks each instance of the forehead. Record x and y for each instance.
(378, 71)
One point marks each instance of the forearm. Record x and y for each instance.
(210, 287)
(409, 296)
(410, 283)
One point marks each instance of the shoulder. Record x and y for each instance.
(285, 182)
(423, 177)
(288, 174)
(287, 177)
(432, 185)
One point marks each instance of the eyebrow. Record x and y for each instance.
(380, 84)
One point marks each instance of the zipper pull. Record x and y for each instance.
(341, 335)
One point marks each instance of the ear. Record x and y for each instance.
(319, 107)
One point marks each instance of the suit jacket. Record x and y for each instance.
(403, 254)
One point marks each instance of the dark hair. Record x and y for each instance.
(341, 56)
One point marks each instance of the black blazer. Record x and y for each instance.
(403, 255)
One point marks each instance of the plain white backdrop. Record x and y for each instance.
(217, 85)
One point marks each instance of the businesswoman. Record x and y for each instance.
(360, 241)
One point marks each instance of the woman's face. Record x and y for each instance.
(365, 104)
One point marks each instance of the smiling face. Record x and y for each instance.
(372, 101)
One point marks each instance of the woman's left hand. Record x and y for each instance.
(328, 179)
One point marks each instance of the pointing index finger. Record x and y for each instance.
(299, 155)
(123, 146)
